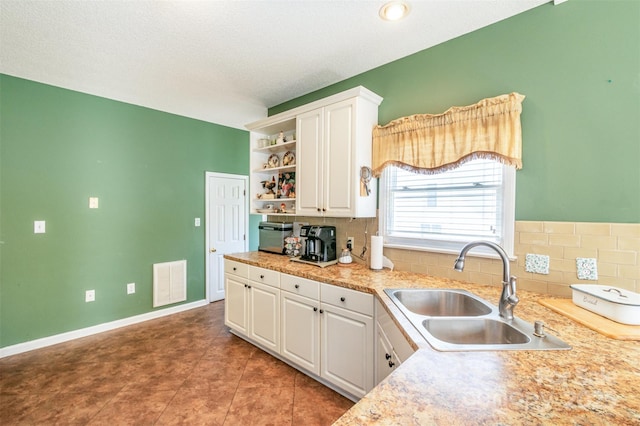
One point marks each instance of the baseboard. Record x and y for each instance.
(84, 332)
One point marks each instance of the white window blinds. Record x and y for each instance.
(449, 209)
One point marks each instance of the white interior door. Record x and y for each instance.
(226, 226)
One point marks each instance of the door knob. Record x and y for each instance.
(212, 250)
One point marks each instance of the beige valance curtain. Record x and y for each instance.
(433, 143)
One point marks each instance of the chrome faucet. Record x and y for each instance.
(508, 298)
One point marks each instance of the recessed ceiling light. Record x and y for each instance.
(394, 10)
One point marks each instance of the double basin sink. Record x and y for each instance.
(457, 320)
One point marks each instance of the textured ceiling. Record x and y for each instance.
(221, 61)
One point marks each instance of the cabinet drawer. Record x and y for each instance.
(236, 268)
(265, 276)
(301, 286)
(346, 298)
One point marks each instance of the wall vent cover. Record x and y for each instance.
(169, 282)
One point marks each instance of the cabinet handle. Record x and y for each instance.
(321, 311)
(315, 309)
(262, 277)
(297, 286)
(235, 269)
(324, 210)
(318, 209)
(248, 286)
(391, 364)
(387, 356)
(342, 299)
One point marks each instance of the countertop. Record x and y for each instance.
(597, 382)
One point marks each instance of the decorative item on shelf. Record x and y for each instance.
(266, 209)
(266, 196)
(289, 159)
(269, 185)
(280, 138)
(287, 185)
(273, 161)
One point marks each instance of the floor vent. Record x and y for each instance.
(169, 282)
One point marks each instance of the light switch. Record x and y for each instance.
(93, 202)
(39, 227)
(197, 221)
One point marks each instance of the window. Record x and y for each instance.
(443, 212)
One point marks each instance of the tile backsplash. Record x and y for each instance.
(614, 246)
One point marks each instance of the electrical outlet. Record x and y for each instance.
(131, 288)
(90, 296)
(350, 241)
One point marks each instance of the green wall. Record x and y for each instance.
(578, 64)
(58, 148)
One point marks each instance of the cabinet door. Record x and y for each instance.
(385, 357)
(346, 349)
(301, 331)
(236, 303)
(309, 164)
(339, 168)
(264, 315)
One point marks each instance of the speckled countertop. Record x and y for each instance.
(597, 382)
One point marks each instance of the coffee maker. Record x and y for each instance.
(320, 243)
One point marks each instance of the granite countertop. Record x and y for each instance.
(597, 382)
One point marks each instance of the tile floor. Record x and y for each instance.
(182, 369)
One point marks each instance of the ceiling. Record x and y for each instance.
(224, 62)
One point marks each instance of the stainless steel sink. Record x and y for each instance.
(457, 320)
(474, 331)
(441, 303)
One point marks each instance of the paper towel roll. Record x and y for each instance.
(376, 252)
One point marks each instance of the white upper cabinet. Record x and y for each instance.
(329, 142)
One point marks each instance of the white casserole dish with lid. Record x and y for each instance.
(617, 304)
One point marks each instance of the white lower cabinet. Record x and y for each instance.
(252, 308)
(386, 358)
(236, 300)
(347, 349)
(391, 348)
(264, 315)
(325, 330)
(301, 331)
(328, 331)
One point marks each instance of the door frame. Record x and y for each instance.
(207, 189)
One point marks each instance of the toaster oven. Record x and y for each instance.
(272, 235)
